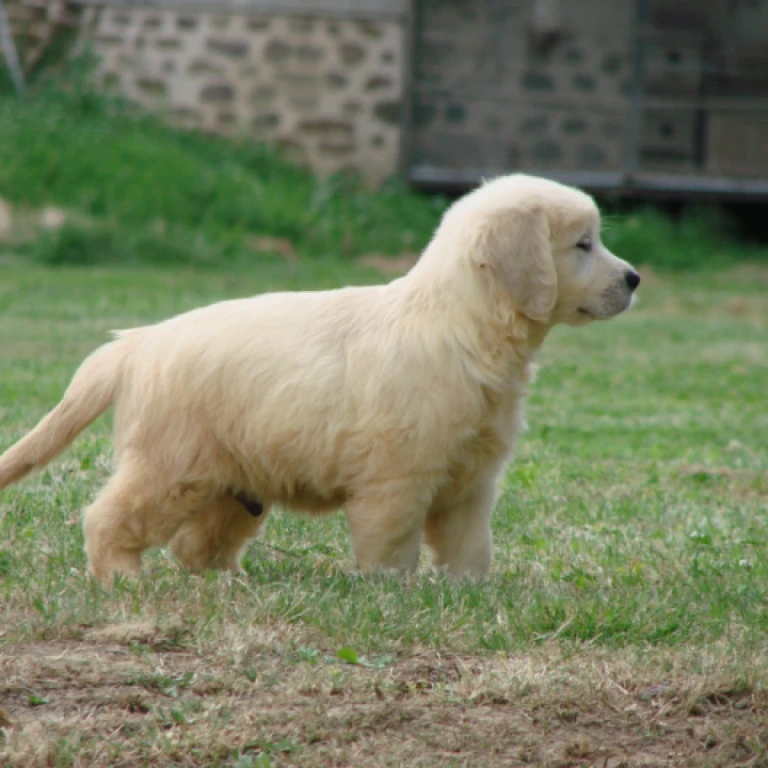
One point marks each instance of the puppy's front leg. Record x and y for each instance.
(386, 524)
(458, 530)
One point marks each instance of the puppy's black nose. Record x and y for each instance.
(632, 279)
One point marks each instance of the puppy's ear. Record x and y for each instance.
(517, 251)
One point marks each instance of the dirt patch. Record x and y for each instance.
(114, 700)
(390, 266)
(277, 245)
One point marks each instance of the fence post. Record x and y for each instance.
(9, 50)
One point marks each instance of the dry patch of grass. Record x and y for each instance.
(139, 694)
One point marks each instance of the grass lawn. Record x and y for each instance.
(624, 623)
(137, 192)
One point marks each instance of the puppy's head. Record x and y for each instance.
(539, 242)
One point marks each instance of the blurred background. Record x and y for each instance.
(207, 131)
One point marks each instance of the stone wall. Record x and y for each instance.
(321, 79)
(589, 89)
(327, 90)
(505, 85)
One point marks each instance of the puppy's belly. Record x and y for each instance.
(304, 498)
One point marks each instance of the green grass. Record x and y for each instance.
(633, 515)
(141, 192)
(138, 192)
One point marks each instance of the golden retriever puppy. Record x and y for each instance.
(398, 403)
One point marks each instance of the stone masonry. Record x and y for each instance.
(327, 91)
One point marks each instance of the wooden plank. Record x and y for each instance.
(663, 185)
(478, 93)
(381, 9)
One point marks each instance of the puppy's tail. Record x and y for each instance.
(92, 390)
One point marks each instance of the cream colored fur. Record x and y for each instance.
(399, 403)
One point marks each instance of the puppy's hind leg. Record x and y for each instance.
(135, 510)
(217, 535)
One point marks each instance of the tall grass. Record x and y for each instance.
(143, 192)
(140, 192)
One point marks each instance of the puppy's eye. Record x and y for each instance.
(585, 244)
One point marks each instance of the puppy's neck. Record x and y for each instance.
(535, 333)
(523, 335)
(457, 309)
(470, 296)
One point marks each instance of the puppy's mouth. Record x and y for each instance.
(613, 302)
(601, 313)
